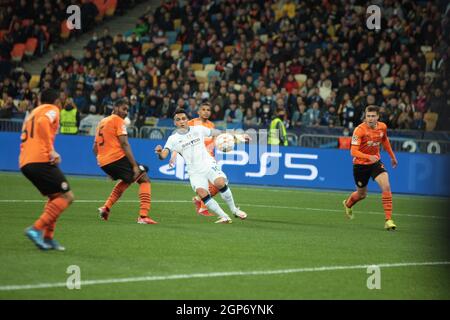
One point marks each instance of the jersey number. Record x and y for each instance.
(24, 136)
(100, 134)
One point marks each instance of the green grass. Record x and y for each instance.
(286, 229)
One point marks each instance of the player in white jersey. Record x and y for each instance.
(201, 166)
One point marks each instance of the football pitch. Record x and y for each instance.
(295, 244)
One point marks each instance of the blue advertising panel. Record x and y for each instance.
(423, 174)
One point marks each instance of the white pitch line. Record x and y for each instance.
(243, 204)
(218, 274)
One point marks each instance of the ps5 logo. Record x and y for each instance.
(269, 165)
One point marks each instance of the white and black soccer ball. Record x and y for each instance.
(224, 142)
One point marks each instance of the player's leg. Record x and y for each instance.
(200, 206)
(386, 197)
(49, 231)
(225, 192)
(115, 195)
(52, 183)
(199, 183)
(361, 175)
(118, 170)
(145, 196)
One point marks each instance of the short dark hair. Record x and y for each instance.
(179, 111)
(120, 102)
(206, 103)
(373, 108)
(49, 96)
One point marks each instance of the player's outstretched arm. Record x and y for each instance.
(162, 153)
(173, 159)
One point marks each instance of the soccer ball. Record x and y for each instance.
(224, 142)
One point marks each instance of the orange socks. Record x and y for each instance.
(145, 198)
(50, 231)
(116, 193)
(354, 198)
(213, 190)
(52, 211)
(386, 198)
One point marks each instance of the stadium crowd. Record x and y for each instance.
(316, 59)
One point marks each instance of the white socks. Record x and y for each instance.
(212, 205)
(227, 196)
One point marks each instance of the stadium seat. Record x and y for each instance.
(17, 52)
(177, 24)
(65, 31)
(145, 47)
(210, 67)
(213, 73)
(127, 33)
(111, 6)
(364, 66)
(151, 121)
(324, 92)
(186, 47)
(256, 26)
(201, 76)
(197, 66)
(425, 49)
(171, 37)
(206, 60)
(228, 49)
(388, 81)
(175, 46)
(145, 39)
(429, 56)
(278, 14)
(34, 81)
(30, 46)
(264, 38)
(175, 54)
(430, 119)
(301, 78)
(124, 57)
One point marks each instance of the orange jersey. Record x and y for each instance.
(38, 134)
(209, 141)
(107, 139)
(369, 140)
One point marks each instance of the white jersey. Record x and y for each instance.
(191, 145)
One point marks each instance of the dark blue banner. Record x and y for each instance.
(423, 174)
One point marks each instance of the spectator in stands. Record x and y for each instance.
(108, 103)
(346, 112)
(418, 123)
(69, 118)
(250, 119)
(406, 118)
(233, 115)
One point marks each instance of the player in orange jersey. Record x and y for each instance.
(39, 161)
(204, 113)
(116, 159)
(365, 150)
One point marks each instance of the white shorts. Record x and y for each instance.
(202, 179)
